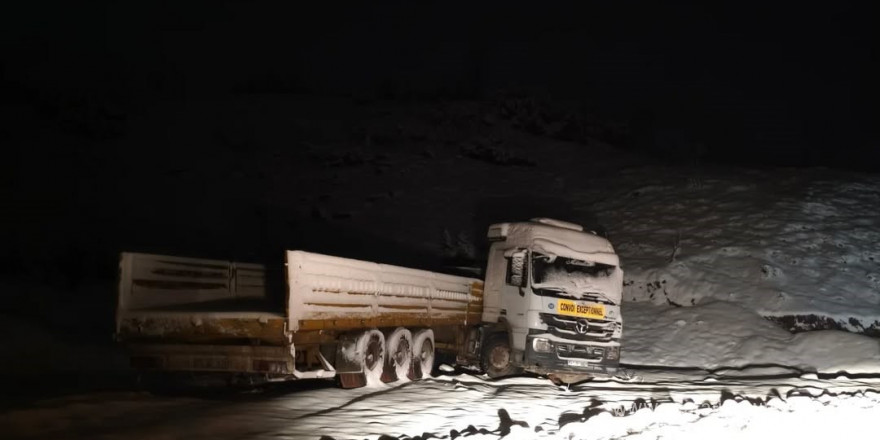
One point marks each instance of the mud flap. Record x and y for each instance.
(351, 380)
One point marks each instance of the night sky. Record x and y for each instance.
(753, 84)
(744, 84)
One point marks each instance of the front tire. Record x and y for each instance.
(497, 358)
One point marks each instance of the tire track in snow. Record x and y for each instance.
(357, 399)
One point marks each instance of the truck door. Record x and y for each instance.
(514, 295)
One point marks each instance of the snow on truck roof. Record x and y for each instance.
(556, 237)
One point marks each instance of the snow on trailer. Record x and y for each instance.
(189, 300)
(189, 314)
(339, 317)
(367, 322)
(329, 292)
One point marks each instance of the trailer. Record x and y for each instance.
(549, 304)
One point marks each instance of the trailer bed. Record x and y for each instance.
(164, 299)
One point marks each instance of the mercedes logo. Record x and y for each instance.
(582, 326)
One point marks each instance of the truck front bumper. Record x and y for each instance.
(550, 355)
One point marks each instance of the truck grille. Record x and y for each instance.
(580, 352)
(579, 329)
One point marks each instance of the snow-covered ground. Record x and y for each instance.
(656, 404)
(723, 336)
(735, 375)
(779, 242)
(719, 264)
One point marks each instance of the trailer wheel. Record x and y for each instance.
(371, 351)
(423, 354)
(496, 357)
(400, 354)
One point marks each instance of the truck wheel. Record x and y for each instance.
(371, 349)
(423, 354)
(400, 353)
(496, 358)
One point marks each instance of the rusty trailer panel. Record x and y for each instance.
(203, 328)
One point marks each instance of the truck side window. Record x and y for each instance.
(517, 269)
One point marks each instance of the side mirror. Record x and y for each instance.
(516, 269)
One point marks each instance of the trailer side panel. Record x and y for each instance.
(327, 292)
(171, 299)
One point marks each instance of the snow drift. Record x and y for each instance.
(721, 335)
(784, 243)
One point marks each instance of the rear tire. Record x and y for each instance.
(423, 354)
(400, 354)
(371, 351)
(496, 358)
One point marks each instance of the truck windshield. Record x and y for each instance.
(567, 277)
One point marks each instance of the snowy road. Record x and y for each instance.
(656, 404)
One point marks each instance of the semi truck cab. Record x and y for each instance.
(552, 301)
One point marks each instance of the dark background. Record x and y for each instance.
(758, 84)
(745, 84)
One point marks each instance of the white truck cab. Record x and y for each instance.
(552, 295)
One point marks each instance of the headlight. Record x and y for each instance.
(542, 345)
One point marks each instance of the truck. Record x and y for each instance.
(548, 304)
